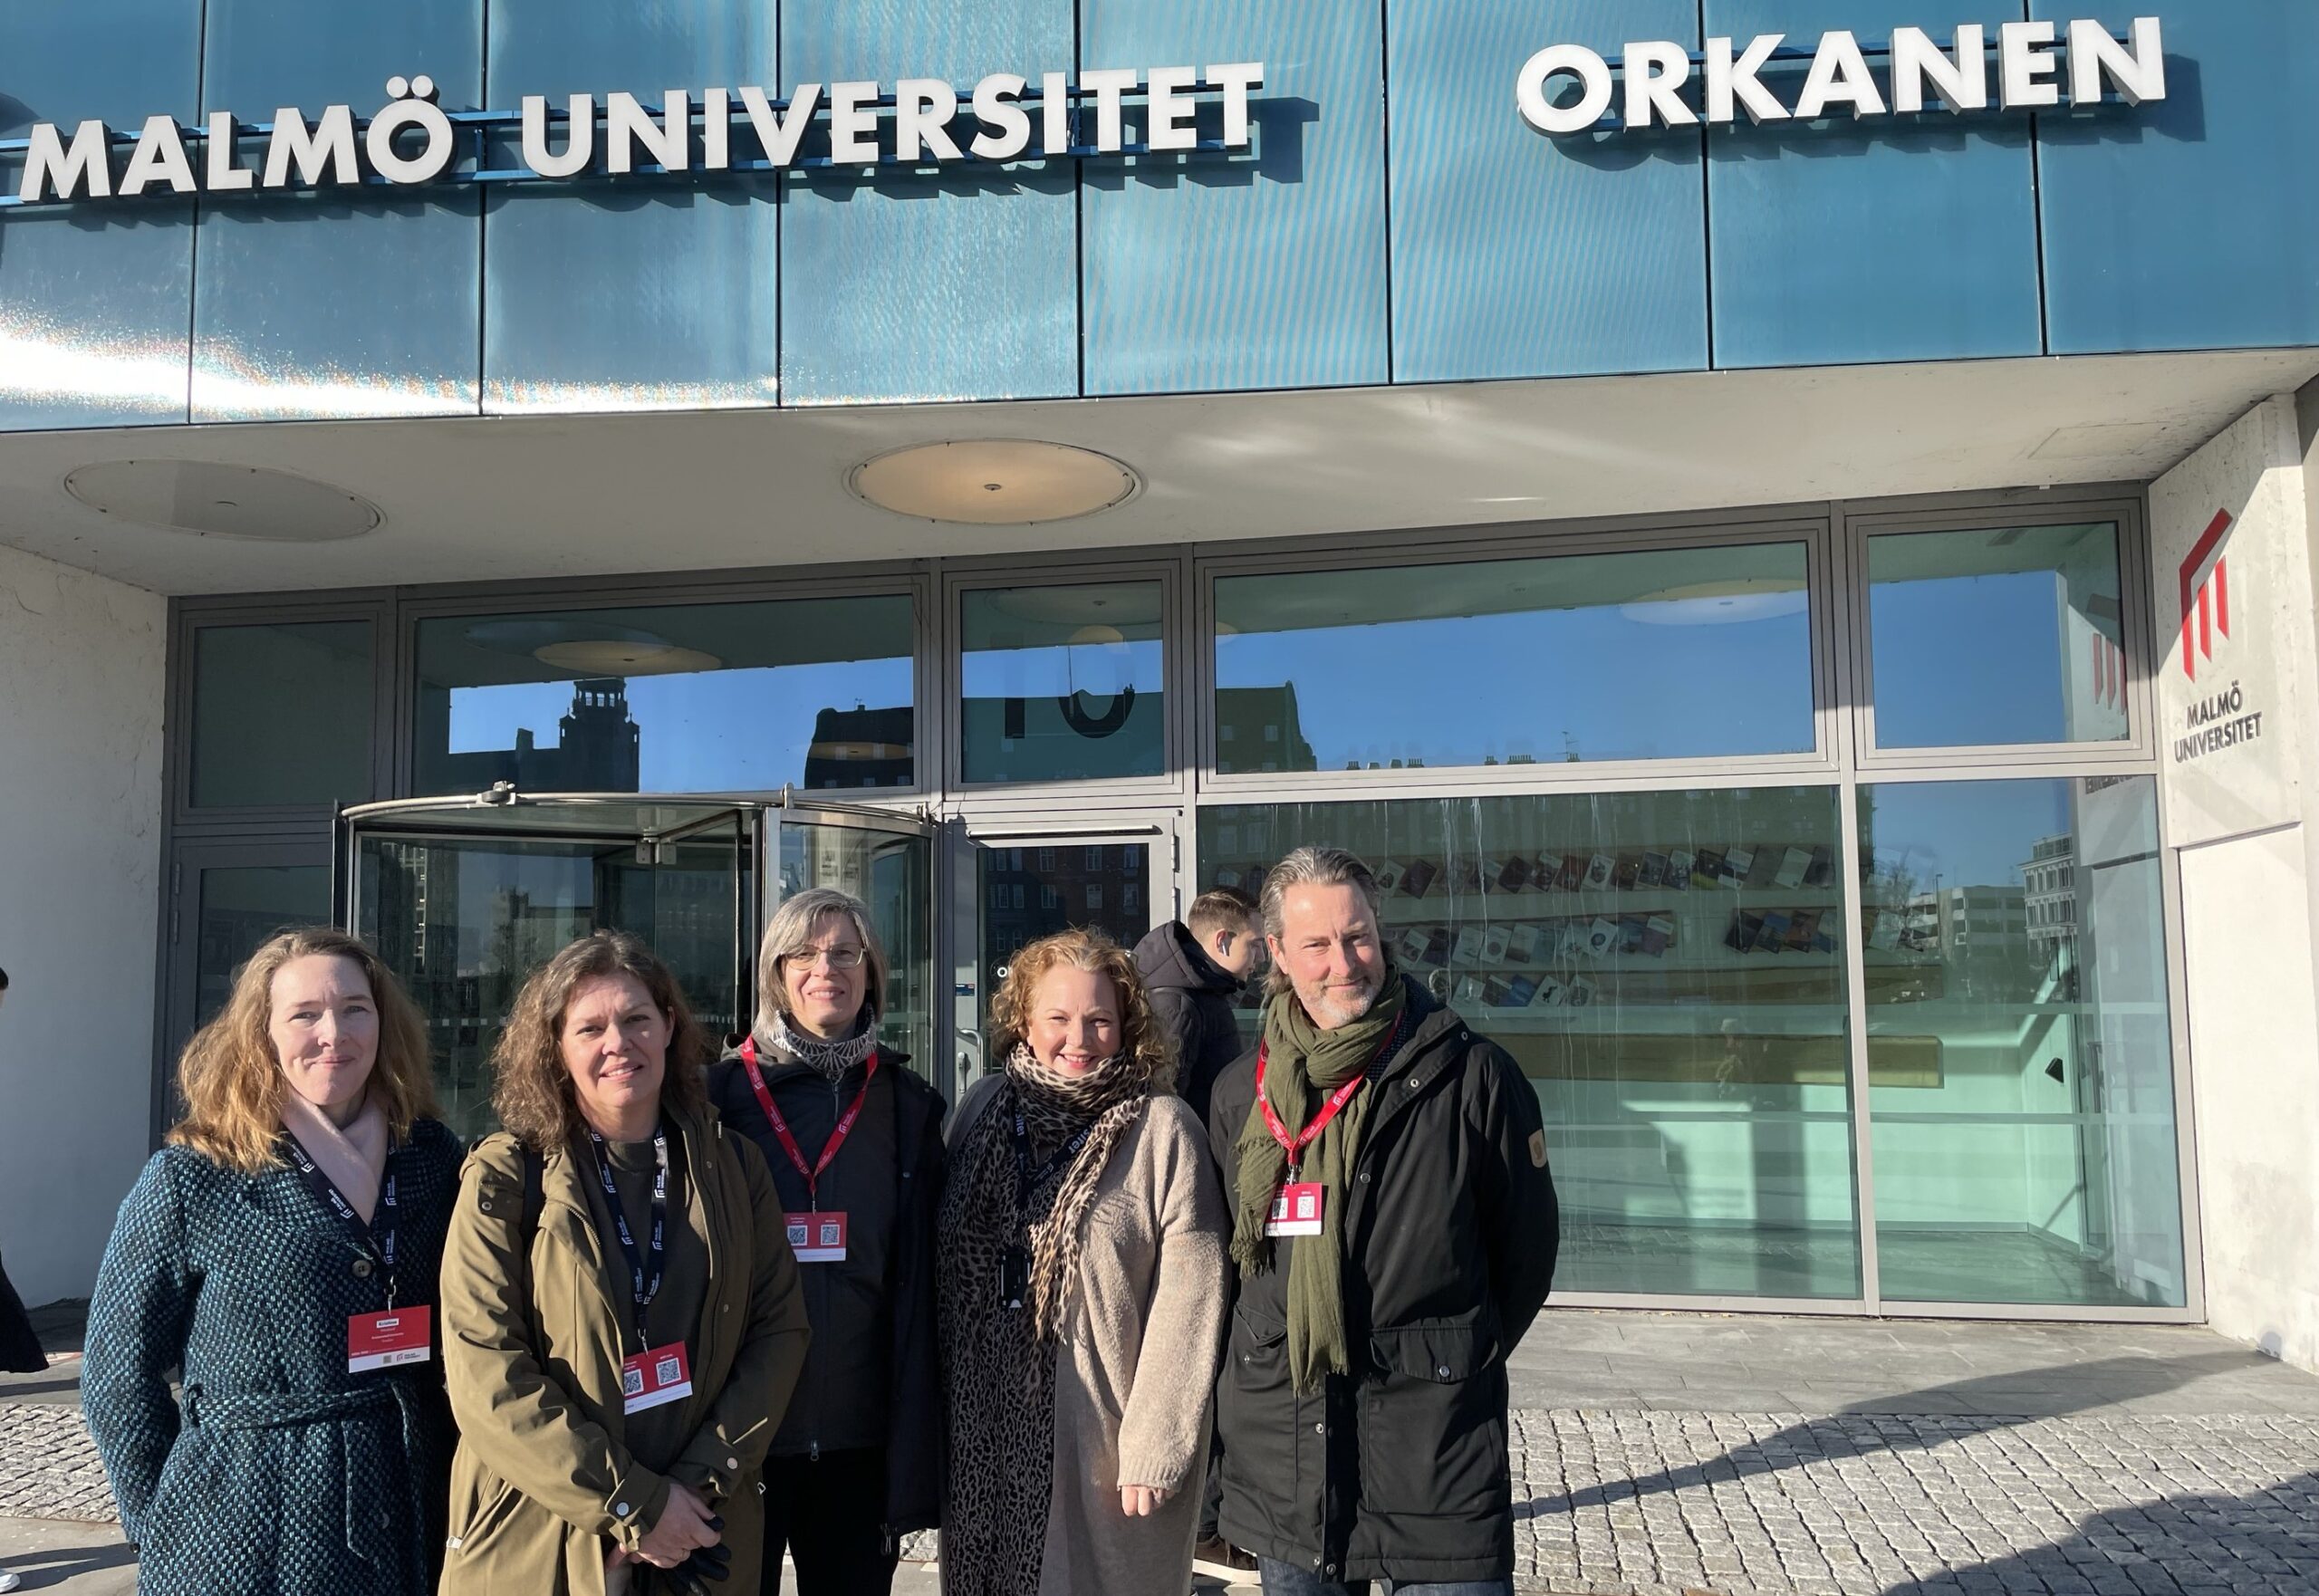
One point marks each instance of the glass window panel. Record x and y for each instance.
(893, 873)
(1689, 653)
(2021, 1060)
(1668, 968)
(815, 693)
(281, 715)
(66, 63)
(1062, 684)
(463, 922)
(1996, 635)
(239, 907)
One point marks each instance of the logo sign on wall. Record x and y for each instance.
(1660, 84)
(915, 123)
(2221, 719)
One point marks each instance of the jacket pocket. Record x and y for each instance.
(1432, 1419)
(1254, 1406)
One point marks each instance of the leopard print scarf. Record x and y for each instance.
(998, 1363)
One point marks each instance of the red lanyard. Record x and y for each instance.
(1295, 1148)
(813, 1173)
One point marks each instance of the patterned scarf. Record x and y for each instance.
(827, 1059)
(998, 1363)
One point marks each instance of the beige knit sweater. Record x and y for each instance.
(1137, 1369)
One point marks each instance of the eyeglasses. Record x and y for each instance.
(837, 958)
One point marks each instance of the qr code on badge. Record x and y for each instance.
(632, 1382)
(666, 1371)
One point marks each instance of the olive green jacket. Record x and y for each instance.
(542, 1488)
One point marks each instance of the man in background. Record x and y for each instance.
(1195, 969)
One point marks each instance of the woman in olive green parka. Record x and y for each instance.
(555, 1488)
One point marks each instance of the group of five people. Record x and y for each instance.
(679, 1316)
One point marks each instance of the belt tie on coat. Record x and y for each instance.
(365, 1523)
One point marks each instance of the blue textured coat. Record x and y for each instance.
(280, 1474)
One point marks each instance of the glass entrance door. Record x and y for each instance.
(1012, 885)
(463, 905)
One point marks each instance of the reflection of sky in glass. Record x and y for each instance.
(1593, 683)
(1968, 659)
(1962, 834)
(703, 731)
(1097, 668)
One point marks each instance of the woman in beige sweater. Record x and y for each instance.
(1082, 1292)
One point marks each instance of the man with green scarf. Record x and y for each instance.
(1394, 1232)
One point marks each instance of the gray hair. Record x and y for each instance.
(1313, 865)
(791, 928)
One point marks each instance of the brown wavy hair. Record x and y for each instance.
(1142, 1042)
(532, 1091)
(231, 1078)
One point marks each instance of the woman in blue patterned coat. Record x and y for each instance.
(282, 1251)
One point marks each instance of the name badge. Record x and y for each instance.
(1297, 1211)
(818, 1237)
(385, 1340)
(655, 1379)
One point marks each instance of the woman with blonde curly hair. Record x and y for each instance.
(1083, 1286)
(622, 1324)
(281, 1250)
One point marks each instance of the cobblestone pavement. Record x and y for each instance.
(48, 1465)
(2150, 1463)
(1748, 1504)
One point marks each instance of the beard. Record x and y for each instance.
(1331, 1007)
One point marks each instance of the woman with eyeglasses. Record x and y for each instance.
(854, 1141)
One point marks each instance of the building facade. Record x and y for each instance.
(1789, 554)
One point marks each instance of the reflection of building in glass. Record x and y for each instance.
(860, 747)
(1257, 729)
(1029, 892)
(2052, 877)
(598, 750)
(1961, 921)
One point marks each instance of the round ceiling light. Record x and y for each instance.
(993, 481)
(625, 657)
(210, 499)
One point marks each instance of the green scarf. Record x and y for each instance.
(1303, 1064)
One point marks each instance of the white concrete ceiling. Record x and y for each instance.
(473, 499)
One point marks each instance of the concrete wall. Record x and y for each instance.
(2238, 808)
(81, 713)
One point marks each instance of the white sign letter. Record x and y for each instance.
(323, 153)
(1238, 80)
(778, 136)
(853, 124)
(1656, 73)
(1963, 83)
(1731, 83)
(2138, 67)
(1839, 73)
(580, 140)
(160, 155)
(49, 164)
(1594, 74)
(923, 108)
(1054, 113)
(2025, 57)
(1006, 125)
(221, 176)
(1169, 118)
(717, 129)
(1106, 84)
(668, 141)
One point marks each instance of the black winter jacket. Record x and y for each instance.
(1192, 999)
(1398, 1470)
(890, 1172)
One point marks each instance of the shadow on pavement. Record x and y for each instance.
(53, 1570)
(2097, 1384)
(2266, 1541)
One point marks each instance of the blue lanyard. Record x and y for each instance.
(378, 1235)
(644, 1285)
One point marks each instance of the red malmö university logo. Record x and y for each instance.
(2206, 594)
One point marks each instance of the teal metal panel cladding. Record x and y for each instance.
(1266, 270)
(646, 294)
(1519, 256)
(95, 300)
(320, 307)
(2189, 224)
(1906, 240)
(957, 285)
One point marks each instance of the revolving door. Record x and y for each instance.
(463, 897)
